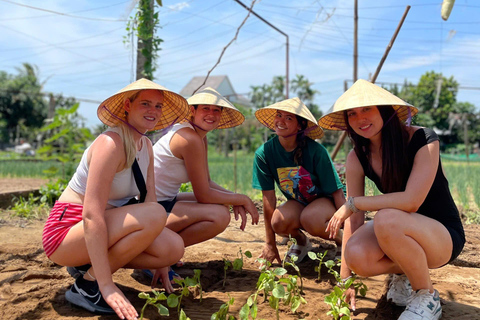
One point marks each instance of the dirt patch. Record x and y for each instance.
(31, 287)
(20, 184)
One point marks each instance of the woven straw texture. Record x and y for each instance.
(231, 117)
(175, 108)
(267, 115)
(363, 94)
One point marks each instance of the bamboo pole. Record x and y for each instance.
(380, 65)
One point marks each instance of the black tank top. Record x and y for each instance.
(438, 204)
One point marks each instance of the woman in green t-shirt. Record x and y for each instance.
(303, 171)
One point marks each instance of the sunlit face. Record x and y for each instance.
(145, 110)
(365, 121)
(207, 116)
(285, 123)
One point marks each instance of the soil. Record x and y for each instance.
(32, 287)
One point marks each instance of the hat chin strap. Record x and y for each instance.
(120, 119)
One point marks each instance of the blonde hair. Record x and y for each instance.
(127, 137)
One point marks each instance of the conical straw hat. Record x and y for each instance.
(363, 93)
(231, 117)
(267, 115)
(175, 108)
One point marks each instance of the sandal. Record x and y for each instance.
(299, 251)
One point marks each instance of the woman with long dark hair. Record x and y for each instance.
(417, 225)
(303, 171)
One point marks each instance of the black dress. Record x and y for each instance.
(438, 204)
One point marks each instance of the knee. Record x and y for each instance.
(153, 217)
(279, 225)
(356, 258)
(222, 216)
(386, 224)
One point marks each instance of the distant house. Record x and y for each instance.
(220, 83)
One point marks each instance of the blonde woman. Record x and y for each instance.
(303, 171)
(89, 223)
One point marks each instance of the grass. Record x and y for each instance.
(463, 177)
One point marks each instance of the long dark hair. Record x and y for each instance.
(394, 150)
(301, 141)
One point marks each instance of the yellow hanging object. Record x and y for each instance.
(447, 6)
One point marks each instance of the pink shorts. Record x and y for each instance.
(62, 217)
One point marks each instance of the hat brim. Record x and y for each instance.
(363, 93)
(266, 116)
(231, 116)
(174, 109)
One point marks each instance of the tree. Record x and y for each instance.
(22, 104)
(435, 96)
(144, 25)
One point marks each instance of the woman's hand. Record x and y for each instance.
(162, 274)
(118, 302)
(350, 297)
(250, 207)
(337, 220)
(240, 211)
(270, 253)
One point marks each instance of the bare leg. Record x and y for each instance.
(131, 231)
(286, 221)
(314, 218)
(197, 222)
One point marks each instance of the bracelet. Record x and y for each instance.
(351, 205)
(342, 282)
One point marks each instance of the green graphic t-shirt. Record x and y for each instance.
(316, 178)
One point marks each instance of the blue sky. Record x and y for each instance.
(79, 50)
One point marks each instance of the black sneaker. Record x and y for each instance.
(86, 294)
(76, 272)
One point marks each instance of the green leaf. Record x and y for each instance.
(244, 312)
(248, 254)
(162, 310)
(312, 255)
(295, 304)
(172, 300)
(279, 291)
(143, 295)
(279, 271)
(238, 264)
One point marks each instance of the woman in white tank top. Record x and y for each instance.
(181, 156)
(89, 224)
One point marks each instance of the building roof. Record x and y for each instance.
(212, 81)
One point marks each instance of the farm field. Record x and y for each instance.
(31, 287)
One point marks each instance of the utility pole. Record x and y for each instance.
(286, 35)
(355, 68)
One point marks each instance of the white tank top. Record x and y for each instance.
(123, 186)
(170, 171)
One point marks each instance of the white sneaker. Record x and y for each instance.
(399, 290)
(424, 306)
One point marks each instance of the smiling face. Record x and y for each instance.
(145, 109)
(285, 124)
(207, 117)
(365, 121)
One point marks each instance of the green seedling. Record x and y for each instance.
(173, 300)
(277, 286)
(154, 301)
(222, 313)
(289, 261)
(237, 264)
(318, 256)
(339, 308)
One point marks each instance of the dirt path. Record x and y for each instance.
(31, 287)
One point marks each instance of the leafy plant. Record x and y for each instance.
(289, 261)
(154, 301)
(237, 264)
(52, 191)
(222, 313)
(186, 187)
(339, 308)
(173, 300)
(318, 256)
(29, 207)
(272, 284)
